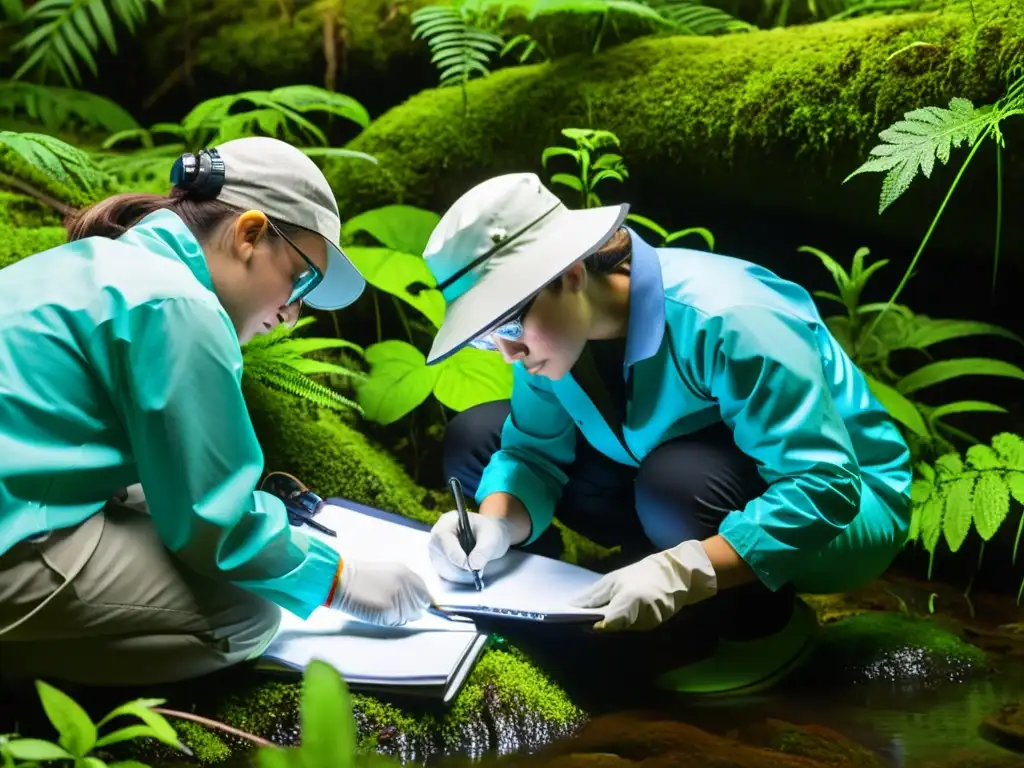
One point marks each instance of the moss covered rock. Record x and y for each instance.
(360, 47)
(771, 121)
(893, 647)
(330, 455)
(506, 703)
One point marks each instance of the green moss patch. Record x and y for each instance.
(771, 119)
(895, 648)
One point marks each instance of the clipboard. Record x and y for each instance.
(495, 613)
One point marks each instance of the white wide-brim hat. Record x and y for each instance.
(501, 243)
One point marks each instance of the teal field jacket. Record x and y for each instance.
(712, 339)
(118, 365)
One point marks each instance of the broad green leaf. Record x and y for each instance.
(92, 762)
(944, 370)
(36, 749)
(570, 181)
(550, 152)
(898, 406)
(328, 728)
(931, 521)
(394, 271)
(473, 376)
(399, 380)
(403, 228)
(959, 511)
(609, 161)
(162, 730)
(1010, 448)
(991, 504)
(925, 470)
(930, 331)
(983, 457)
(77, 730)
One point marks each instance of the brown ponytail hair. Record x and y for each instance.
(113, 216)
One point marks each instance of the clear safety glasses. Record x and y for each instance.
(308, 279)
(509, 328)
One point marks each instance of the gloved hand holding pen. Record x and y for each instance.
(493, 539)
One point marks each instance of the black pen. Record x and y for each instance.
(465, 532)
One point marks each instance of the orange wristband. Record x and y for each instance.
(334, 584)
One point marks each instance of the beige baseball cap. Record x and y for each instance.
(272, 176)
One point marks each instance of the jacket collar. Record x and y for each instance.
(163, 233)
(646, 325)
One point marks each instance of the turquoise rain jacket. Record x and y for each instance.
(713, 338)
(118, 365)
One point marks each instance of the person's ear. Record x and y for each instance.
(249, 229)
(575, 279)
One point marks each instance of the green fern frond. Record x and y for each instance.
(59, 160)
(916, 141)
(277, 359)
(57, 108)
(296, 384)
(691, 18)
(68, 32)
(459, 49)
(974, 489)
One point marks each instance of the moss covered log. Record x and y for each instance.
(766, 123)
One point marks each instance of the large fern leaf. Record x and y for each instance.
(459, 49)
(57, 108)
(63, 162)
(915, 142)
(689, 17)
(277, 359)
(68, 32)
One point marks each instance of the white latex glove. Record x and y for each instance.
(643, 595)
(380, 592)
(493, 538)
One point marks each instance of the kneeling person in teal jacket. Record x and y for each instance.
(134, 545)
(690, 407)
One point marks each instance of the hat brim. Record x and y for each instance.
(342, 283)
(559, 241)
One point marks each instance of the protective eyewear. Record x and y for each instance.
(308, 279)
(509, 328)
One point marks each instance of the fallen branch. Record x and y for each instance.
(216, 725)
(62, 208)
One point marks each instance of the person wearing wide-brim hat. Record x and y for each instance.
(135, 546)
(691, 407)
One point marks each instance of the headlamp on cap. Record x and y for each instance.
(202, 175)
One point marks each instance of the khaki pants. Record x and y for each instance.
(127, 612)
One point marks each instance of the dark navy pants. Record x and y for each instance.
(681, 491)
